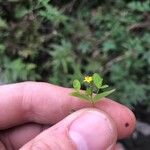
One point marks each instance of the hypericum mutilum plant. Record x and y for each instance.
(94, 89)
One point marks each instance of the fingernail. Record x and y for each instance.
(93, 130)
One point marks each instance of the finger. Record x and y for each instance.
(47, 104)
(123, 117)
(119, 147)
(18, 136)
(2, 147)
(82, 130)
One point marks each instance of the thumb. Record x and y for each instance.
(87, 129)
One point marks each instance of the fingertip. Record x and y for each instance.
(129, 123)
(122, 116)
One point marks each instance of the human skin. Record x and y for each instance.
(36, 115)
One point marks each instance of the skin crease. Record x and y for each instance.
(27, 102)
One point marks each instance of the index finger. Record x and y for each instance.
(47, 104)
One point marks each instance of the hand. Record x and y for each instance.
(36, 116)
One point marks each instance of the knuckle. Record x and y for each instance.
(27, 105)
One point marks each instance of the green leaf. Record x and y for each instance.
(76, 84)
(13, 0)
(3, 23)
(88, 91)
(109, 45)
(97, 80)
(81, 96)
(21, 11)
(101, 95)
(104, 86)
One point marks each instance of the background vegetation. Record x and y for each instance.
(57, 41)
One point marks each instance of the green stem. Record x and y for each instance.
(92, 95)
(97, 91)
(93, 104)
(91, 91)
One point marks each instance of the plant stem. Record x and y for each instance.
(92, 95)
(97, 91)
(92, 91)
(92, 102)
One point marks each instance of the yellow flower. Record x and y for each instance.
(88, 79)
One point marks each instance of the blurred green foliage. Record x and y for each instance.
(57, 41)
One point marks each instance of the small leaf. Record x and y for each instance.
(101, 95)
(3, 23)
(88, 91)
(97, 80)
(76, 84)
(81, 96)
(104, 86)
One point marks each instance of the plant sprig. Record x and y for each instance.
(94, 87)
